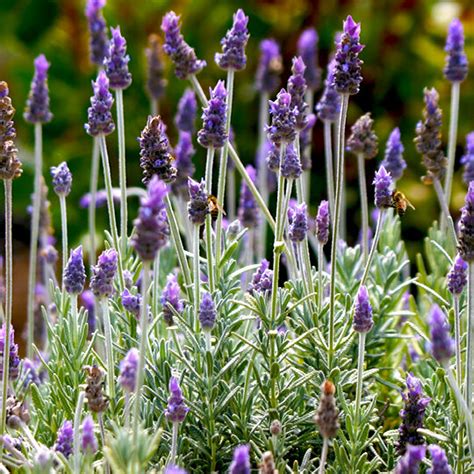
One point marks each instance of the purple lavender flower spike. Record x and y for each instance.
(14, 359)
(297, 89)
(171, 296)
(272, 155)
(393, 160)
(187, 110)
(248, 212)
(103, 274)
(99, 114)
(466, 227)
(269, 66)
(198, 205)
(412, 415)
(182, 55)
(176, 410)
(98, 41)
(213, 132)
(322, 223)
(207, 312)
(37, 105)
(75, 274)
(64, 439)
(457, 276)
(29, 371)
(116, 61)
(297, 223)
(329, 105)
(62, 179)
(468, 159)
(291, 165)
(131, 303)
(88, 440)
(151, 226)
(172, 469)
(155, 152)
(88, 301)
(363, 139)
(233, 44)
(184, 151)
(241, 460)
(308, 50)
(456, 60)
(383, 188)
(262, 279)
(442, 345)
(128, 370)
(347, 68)
(439, 461)
(283, 114)
(155, 83)
(410, 462)
(363, 319)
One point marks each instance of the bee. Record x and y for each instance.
(401, 203)
(214, 207)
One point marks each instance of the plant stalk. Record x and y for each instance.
(104, 303)
(209, 254)
(77, 424)
(457, 338)
(196, 277)
(363, 205)
(329, 165)
(94, 178)
(174, 443)
(320, 277)
(445, 210)
(324, 455)
(470, 335)
(360, 373)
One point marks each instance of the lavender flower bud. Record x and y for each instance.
(393, 160)
(329, 106)
(186, 114)
(439, 461)
(14, 359)
(457, 276)
(155, 152)
(184, 151)
(171, 296)
(428, 138)
(322, 223)
(269, 66)
(456, 60)
(468, 159)
(410, 462)
(233, 44)
(241, 460)
(88, 440)
(116, 61)
(99, 114)
(198, 205)
(131, 303)
(275, 428)
(248, 211)
(363, 139)
(213, 134)
(383, 188)
(128, 370)
(62, 179)
(103, 274)
(88, 301)
(283, 115)
(442, 345)
(262, 279)
(297, 223)
(151, 226)
(37, 105)
(291, 165)
(308, 50)
(155, 83)
(176, 410)
(182, 55)
(412, 415)
(75, 274)
(327, 415)
(363, 320)
(297, 90)
(98, 41)
(207, 312)
(466, 227)
(347, 68)
(64, 439)
(172, 469)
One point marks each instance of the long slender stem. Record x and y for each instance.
(174, 443)
(470, 335)
(309, 98)
(154, 107)
(230, 194)
(110, 205)
(63, 207)
(94, 178)
(34, 237)
(122, 171)
(457, 338)
(208, 224)
(336, 216)
(360, 372)
(142, 351)
(77, 435)
(196, 276)
(324, 455)
(364, 206)
(320, 277)
(8, 299)
(102, 439)
(445, 210)
(109, 351)
(156, 284)
(329, 165)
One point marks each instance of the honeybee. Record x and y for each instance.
(401, 203)
(214, 206)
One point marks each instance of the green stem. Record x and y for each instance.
(320, 277)
(77, 432)
(93, 194)
(156, 284)
(154, 107)
(324, 455)
(174, 443)
(329, 165)
(109, 351)
(470, 335)
(445, 210)
(360, 373)
(363, 205)
(457, 338)
(196, 277)
(309, 98)
(63, 207)
(208, 224)
(73, 300)
(230, 195)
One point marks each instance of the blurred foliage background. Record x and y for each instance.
(404, 53)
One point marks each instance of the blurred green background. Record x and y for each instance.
(404, 53)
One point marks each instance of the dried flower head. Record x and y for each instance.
(97, 401)
(327, 414)
(37, 105)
